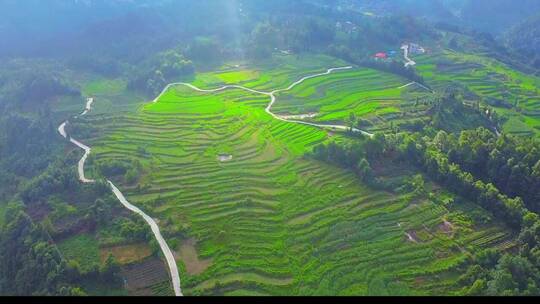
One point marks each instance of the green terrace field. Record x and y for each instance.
(514, 95)
(248, 214)
(112, 93)
(267, 75)
(376, 97)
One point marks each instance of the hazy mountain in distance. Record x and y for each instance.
(27, 23)
(430, 9)
(495, 16)
(492, 16)
(525, 39)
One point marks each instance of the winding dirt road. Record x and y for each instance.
(153, 225)
(155, 229)
(272, 95)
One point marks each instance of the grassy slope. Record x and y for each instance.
(82, 248)
(271, 221)
(3, 207)
(92, 248)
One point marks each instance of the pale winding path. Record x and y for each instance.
(272, 96)
(155, 229)
(153, 225)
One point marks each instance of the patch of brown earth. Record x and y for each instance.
(411, 236)
(69, 226)
(446, 227)
(126, 254)
(419, 281)
(188, 254)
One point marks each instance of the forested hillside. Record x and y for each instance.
(524, 38)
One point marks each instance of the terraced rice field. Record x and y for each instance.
(271, 221)
(267, 75)
(364, 92)
(490, 80)
(375, 97)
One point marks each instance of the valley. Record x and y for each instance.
(269, 148)
(270, 203)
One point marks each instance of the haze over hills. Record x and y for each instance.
(492, 16)
(263, 148)
(497, 16)
(75, 16)
(525, 37)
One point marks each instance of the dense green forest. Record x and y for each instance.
(449, 133)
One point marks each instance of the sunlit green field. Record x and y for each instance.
(269, 220)
(276, 73)
(377, 98)
(373, 96)
(491, 81)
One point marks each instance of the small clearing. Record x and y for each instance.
(225, 157)
(411, 236)
(126, 254)
(188, 254)
(446, 227)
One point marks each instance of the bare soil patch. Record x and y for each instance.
(419, 281)
(411, 236)
(446, 227)
(126, 254)
(188, 254)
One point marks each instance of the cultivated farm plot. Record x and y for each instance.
(271, 221)
(266, 75)
(149, 277)
(126, 254)
(374, 96)
(371, 95)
